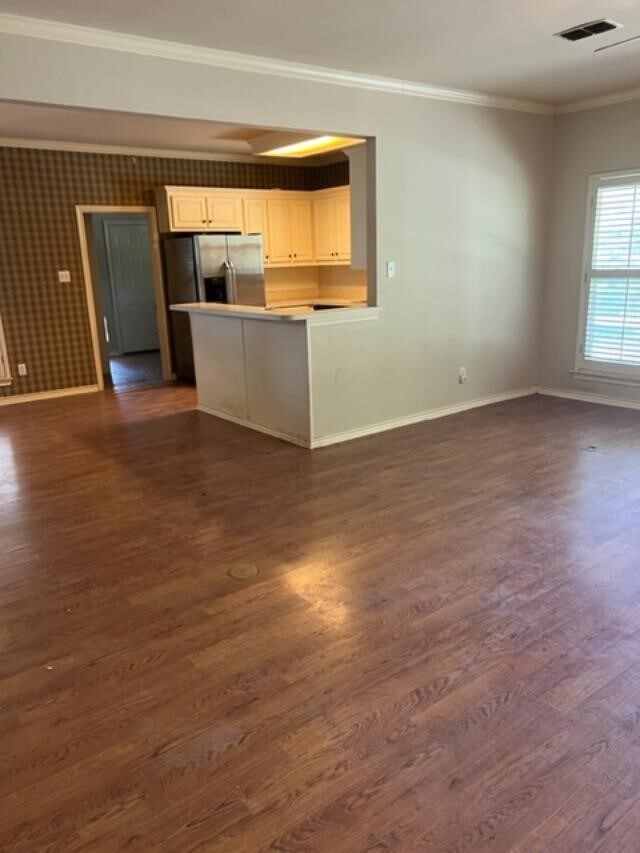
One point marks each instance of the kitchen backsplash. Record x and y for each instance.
(46, 324)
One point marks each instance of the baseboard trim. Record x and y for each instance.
(300, 441)
(47, 395)
(583, 397)
(418, 417)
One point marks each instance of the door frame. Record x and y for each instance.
(82, 212)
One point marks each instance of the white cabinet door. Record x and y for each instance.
(343, 226)
(279, 222)
(301, 216)
(188, 212)
(224, 212)
(324, 225)
(255, 222)
(205, 211)
(332, 226)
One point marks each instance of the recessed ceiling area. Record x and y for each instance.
(100, 127)
(497, 47)
(79, 127)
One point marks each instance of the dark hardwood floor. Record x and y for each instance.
(135, 370)
(441, 650)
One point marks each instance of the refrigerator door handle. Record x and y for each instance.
(230, 281)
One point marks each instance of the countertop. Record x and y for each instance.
(339, 312)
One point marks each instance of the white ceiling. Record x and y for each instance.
(98, 127)
(500, 47)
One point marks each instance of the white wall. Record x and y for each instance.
(462, 209)
(600, 140)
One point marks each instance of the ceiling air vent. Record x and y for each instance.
(585, 31)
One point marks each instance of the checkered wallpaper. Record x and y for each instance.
(45, 322)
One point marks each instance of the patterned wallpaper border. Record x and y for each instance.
(45, 322)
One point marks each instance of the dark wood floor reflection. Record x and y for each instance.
(441, 650)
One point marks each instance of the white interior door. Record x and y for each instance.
(131, 280)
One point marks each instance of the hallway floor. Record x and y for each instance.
(135, 370)
(440, 650)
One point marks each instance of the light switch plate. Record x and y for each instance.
(64, 276)
(391, 269)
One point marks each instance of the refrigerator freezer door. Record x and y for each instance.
(247, 270)
(211, 258)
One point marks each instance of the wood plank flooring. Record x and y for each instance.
(441, 650)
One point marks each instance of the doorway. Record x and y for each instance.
(125, 296)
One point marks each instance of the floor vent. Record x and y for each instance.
(242, 571)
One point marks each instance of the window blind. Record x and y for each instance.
(612, 332)
(5, 374)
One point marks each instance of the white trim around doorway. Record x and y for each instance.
(82, 210)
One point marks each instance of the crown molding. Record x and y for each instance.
(176, 51)
(601, 101)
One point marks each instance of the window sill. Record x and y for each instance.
(607, 378)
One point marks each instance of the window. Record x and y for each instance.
(610, 319)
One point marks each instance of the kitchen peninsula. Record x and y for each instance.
(277, 309)
(254, 365)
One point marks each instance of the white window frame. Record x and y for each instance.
(626, 374)
(5, 370)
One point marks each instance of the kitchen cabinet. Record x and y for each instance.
(199, 209)
(324, 226)
(224, 212)
(188, 211)
(298, 228)
(332, 226)
(343, 225)
(290, 230)
(301, 213)
(279, 228)
(255, 222)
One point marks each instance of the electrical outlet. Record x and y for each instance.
(462, 375)
(22, 370)
(64, 276)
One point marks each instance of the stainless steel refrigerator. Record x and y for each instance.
(209, 268)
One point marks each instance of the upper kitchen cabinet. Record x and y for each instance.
(187, 211)
(301, 212)
(199, 209)
(290, 230)
(298, 228)
(332, 225)
(255, 222)
(224, 212)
